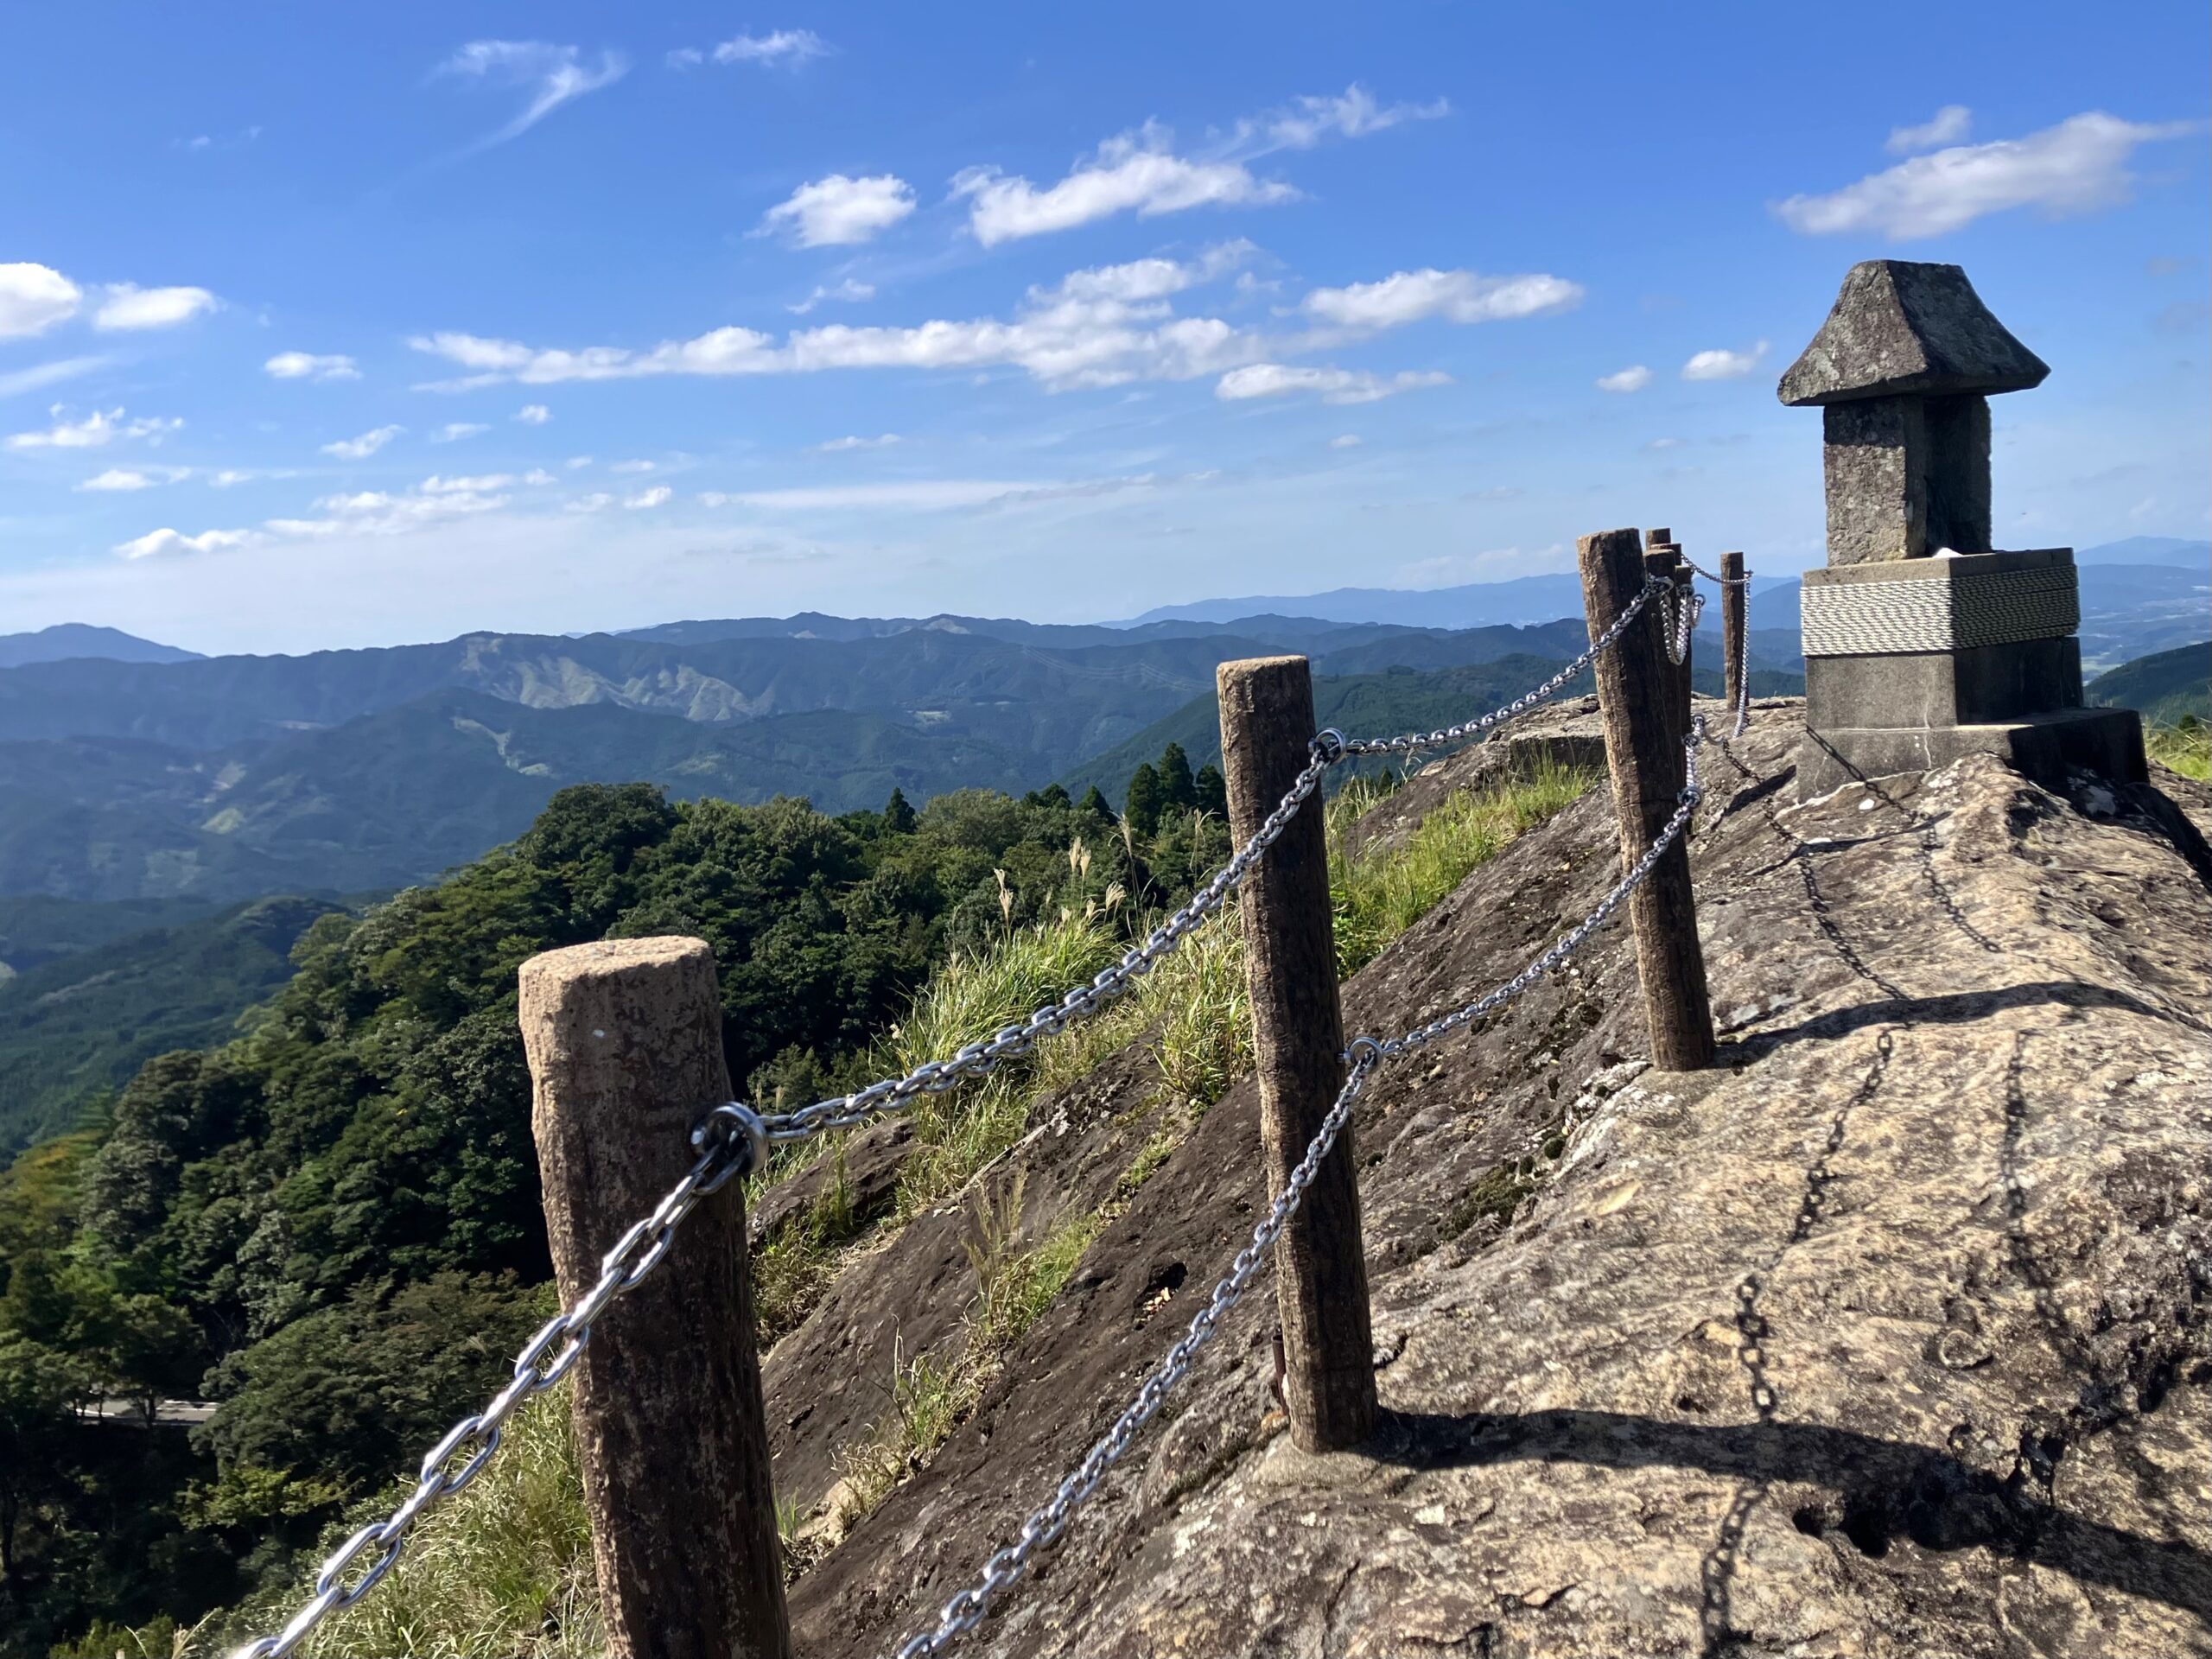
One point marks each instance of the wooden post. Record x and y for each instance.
(625, 1045)
(1638, 691)
(1663, 559)
(1734, 621)
(1267, 721)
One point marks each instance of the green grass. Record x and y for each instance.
(2185, 747)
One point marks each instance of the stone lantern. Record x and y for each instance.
(1921, 643)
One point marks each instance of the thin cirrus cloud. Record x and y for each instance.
(533, 413)
(1333, 385)
(123, 479)
(550, 76)
(310, 365)
(362, 447)
(1635, 378)
(95, 431)
(42, 375)
(788, 47)
(1102, 326)
(1951, 123)
(454, 431)
(1723, 365)
(129, 308)
(839, 211)
(1140, 172)
(848, 291)
(2077, 167)
(839, 446)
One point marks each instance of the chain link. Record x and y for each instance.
(1045, 1526)
(730, 1139)
(1412, 742)
(1743, 687)
(1725, 581)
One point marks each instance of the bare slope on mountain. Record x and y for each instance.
(1888, 1337)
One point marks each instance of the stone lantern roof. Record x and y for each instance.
(1904, 328)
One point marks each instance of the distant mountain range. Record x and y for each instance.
(67, 639)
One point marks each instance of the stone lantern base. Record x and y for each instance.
(1910, 664)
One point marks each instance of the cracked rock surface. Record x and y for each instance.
(1886, 1337)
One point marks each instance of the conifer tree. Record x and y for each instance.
(1213, 792)
(1177, 786)
(1146, 801)
(1094, 803)
(898, 816)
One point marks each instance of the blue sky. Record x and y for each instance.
(341, 326)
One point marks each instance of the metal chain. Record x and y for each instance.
(1045, 1526)
(979, 1058)
(730, 1139)
(1725, 581)
(1744, 689)
(1679, 610)
(1415, 740)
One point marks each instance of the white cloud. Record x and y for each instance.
(116, 478)
(533, 415)
(655, 497)
(1950, 124)
(482, 484)
(848, 291)
(552, 75)
(1137, 172)
(787, 45)
(157, 543)
(362, 447)
(453, 431)
(1719, 365)
(2076, 167)
(589, 503)
(32, 298)
(1334, 386)
(836, 445)
(229, 476)
(839, 211)
(1460, 295)
(1306, 121)
(376, 512)
(1103, 327)
(1660, 446)
(1635, 378)
(1345, 441)
(573, 462)
(308, 366)
(634, 466)
(128, 306)
(42, 375)
(539, 476)
(97, 430)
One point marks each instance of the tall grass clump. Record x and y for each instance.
(501, 1571)
(1377, 896)
(2185, 747)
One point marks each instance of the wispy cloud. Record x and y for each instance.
(1635, 378)
(549, 75)
(838, 446)
(533, 415)
(42, 375)
(128, 307)
(1721, 365)
(453, 431)
(848, 292)
(94, 431)
(1951, 123)
(2077, 167)
(1306, 122)
(117, 480)
(33, 298)
(1458, 295)
(788, 47)
(839, 211)
(362, 447)
(657, 496)
(1137, 172)
(1333, 385)
(307, 365)
(157, 543)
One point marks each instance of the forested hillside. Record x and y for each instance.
(297, 1222)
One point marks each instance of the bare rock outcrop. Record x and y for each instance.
(1888, 1335)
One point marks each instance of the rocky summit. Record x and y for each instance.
(1886, 1336)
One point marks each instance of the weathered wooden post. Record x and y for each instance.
(1637, 693)
(624, 1040)
(1663, 559)
(1734, 620)
(1290, 953)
